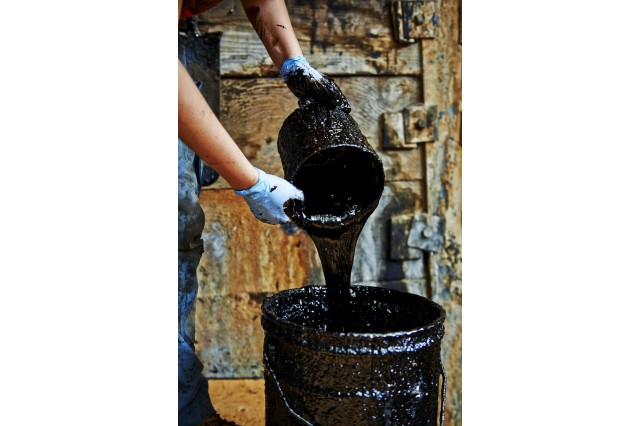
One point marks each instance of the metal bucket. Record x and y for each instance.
(324, 153)
(384, 371)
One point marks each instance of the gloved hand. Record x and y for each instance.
(310, 86)
(267, 197)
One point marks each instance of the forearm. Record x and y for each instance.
(200, 129)
(271, 21)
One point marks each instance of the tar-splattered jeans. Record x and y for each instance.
(194, 404)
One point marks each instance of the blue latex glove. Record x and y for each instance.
(311, 86)
(267, 197)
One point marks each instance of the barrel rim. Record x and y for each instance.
(290, 325)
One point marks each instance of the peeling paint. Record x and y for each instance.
(215, 240)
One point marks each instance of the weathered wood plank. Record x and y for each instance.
(443, 87)
(244, 261)
(372, 262)
(347, 38)
(229, 336)
(253, 111)
(239, 400)
(244, 255)
(337, 37)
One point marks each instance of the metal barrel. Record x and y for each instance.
(384, 370)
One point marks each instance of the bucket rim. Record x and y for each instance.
(290, 325)
(292, 171)
(294, 168)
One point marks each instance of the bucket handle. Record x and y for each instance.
(267, 365)
(443, 392)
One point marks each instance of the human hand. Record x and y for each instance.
(311, 86)
(267, 197)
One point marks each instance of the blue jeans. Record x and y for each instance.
(194, 404)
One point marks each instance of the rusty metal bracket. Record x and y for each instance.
(411, 126)
(413, 234)
(413, 20)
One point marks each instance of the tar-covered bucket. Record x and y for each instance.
(324, 154)
(385, 369)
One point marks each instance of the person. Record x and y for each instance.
(201, 134)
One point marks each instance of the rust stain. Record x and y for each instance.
(259, 255)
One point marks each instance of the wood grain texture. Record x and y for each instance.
(244, 261)
(337, 37)
(253, 111)
(244, 255)
(239, 400)
(442, 84)
(371, 262)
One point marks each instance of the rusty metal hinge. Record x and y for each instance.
(406, 129)
(413, 20)
(414, 233)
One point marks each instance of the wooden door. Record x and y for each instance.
(355, 42)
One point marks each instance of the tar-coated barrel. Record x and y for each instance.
(324, 153)
(384, 370)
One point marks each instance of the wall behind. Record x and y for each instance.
(246, 260)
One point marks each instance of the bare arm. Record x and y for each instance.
(271, 21)
(198, 126)
(200, 129)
